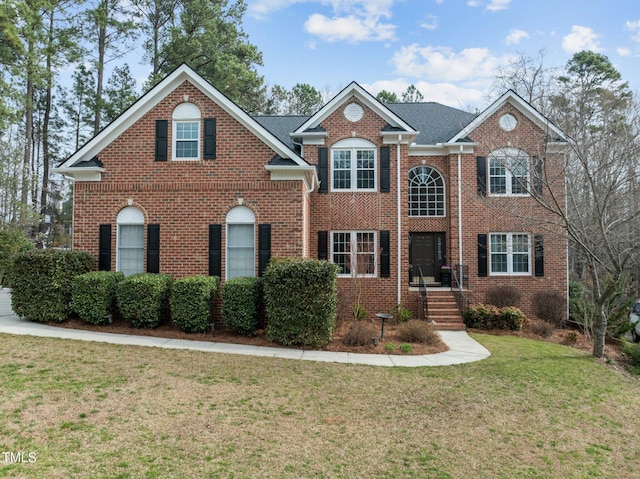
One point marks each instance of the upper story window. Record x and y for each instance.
(426, 192)
(186, 132)
(509, 172)
(353, 165)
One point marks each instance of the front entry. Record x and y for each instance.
(426, 253)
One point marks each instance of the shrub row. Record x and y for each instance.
(93, 295)
(241, 304)
(41, 283)
(192, 300)
(143, 299)
(301, 300)
(482, 316)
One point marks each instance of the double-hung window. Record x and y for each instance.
(186, 132)
(354, 252)
(510, 253)
(130, 241)
(241, 252)
(509, 172)
(353, 165)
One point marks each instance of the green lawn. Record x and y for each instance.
(533, 409)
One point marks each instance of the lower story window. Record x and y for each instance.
(131, 249)
(354, 252)
(240, 250)
(510, 253)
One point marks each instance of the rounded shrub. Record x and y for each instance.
(549, 306)
(192, 300)
(301, 297)
(93, 295)
(143, 299)
(41, 283)
(241, 304)
(12, 242)
(416, 331)
(502, 296)
(360, 333)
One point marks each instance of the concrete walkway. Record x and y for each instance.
(462, 349)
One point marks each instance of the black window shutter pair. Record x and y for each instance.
(385, 172)
(153, 248)
(215, 249)
(385, 256)
(538, 248)
(162, 139)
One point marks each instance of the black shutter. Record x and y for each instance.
(538, 249)
(537, 175)
(210, 139)
(153, 248)
(104, 248)
(385, 173)
(482, 255)
(323, 170)
(481, 168)
(385, 270)
(264, 247)
(162, 139)
(215, 250)
(323, 245)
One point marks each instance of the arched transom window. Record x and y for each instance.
(426, 192)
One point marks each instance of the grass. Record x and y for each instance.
(92, 410)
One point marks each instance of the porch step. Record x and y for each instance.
(443, 310)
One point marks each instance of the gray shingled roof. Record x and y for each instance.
(436, 123)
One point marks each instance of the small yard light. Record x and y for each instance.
(213, 328)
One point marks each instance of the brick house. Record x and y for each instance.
(185, 182)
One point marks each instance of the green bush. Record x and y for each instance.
(632, 352)
(402, 314)
(192, 300)
(41, 283)
(143, 299)
(241, 304)
(12, 242)
(301, 297)
(93, 295)
(482, 316)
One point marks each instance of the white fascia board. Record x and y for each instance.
(441, 149)
(93, 173)
(156, 95)
(310, 137)
(308, 174)
(521, 105)
(355, 90)
(391, 137)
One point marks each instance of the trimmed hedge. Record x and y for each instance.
(301, 299)
(41, 283)
(482, 316)
(93, 295)
(241, 304)
(144, 298)
(192, 302)
(12, 242)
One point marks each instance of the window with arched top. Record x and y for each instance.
(508, 172)
(353, 165)
(426, 192)
(186, 132)
(130, 241)
(240, 242)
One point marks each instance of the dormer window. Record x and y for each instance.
(186, 132)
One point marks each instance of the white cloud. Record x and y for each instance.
(473, 3)
(430, 22)
(515, 36)
(634, 28)
(351, 28)
(495, 5)
(580, 38)
(623, 52)
(443, 64)
(446, 93)
(262, 9)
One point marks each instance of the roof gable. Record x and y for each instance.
(522, 106)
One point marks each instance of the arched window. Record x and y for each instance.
(186, 132)
(426, 192)
(353, 165)
(508, 172)
(130, 241)
(240, 242)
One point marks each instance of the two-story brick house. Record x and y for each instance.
(185, 182)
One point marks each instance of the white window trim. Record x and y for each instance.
(354, 145)
(185, 113)
(506, 156)
(444, 195)
(129, 216)
(239, 215)
(353, 236)
(509, 254)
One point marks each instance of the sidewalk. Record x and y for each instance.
(462, 349)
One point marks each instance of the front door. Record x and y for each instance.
(426, 254)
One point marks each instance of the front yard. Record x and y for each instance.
(533, 409)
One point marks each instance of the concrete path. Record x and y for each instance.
(462, 349)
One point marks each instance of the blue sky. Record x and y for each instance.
(449, 49)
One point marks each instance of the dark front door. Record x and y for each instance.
(426, 253)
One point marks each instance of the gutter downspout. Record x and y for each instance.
(460, 216)
(399, 268)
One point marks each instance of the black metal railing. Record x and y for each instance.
(460, 277)
(424, 296)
